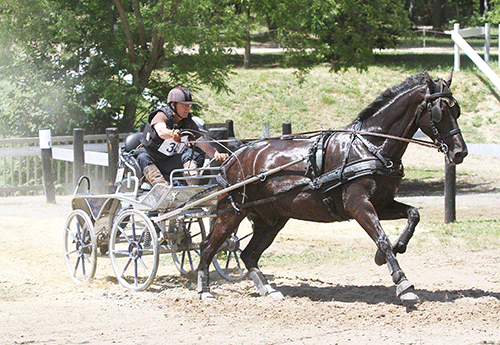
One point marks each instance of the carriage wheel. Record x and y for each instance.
(187, 261)
(134, 250)
(80, 247)
(227, 261)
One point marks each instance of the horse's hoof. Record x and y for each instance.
(409, 297)
(406, 292)
(275, 294)
(379, 258)
(206, 296)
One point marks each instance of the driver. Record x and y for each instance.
(163, 131)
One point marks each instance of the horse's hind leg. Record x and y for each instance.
(263, 235)
(399, 210)
(363, 211)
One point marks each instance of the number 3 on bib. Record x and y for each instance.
(169, 147)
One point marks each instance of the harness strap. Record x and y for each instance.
(316, 153)
(222, 181)
(370, 166)
(374, 151)
(328, 181)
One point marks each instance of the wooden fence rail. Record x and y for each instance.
(21, 164)
(21, 161)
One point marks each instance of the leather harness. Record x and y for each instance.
(326, 182)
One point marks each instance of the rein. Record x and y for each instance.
(291, 136)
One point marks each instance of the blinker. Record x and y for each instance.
(436, 113)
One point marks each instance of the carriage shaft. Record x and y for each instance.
(252, 179)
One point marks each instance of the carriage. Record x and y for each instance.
(131, 228)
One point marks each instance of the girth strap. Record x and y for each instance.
(370, 166)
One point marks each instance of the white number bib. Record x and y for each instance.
(170, 147)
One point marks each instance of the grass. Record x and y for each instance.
(412, 173)
(270, 93)
(308, 257)
(467, 235)
(476, 234)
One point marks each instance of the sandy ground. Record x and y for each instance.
(343, 299)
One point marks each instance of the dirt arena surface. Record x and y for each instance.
(345, 299)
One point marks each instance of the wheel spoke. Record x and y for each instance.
(75, 239)
(190, 261)
(136, 273)
(247, 235)
(144, 266)
(228, 261)
(71, 252)
(76, 266)
(125, 268)
(238, 264)
(122, 231)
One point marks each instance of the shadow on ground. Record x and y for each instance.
(372, 294)
(435, 186)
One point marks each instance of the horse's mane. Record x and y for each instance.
(388, 95)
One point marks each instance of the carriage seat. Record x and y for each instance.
(128, 157)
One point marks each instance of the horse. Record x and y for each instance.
(353, 173)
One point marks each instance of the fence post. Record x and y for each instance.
(113, 141)
(218, 134)
(78, 155)
(230, 128)
(449, 192)
(286, 128)
(456, 68)
(46, 151)
(267, 130)
(486, 42)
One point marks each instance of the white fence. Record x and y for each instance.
(458, 36)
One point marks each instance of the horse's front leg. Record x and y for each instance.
(265, 229)
(224, 226)
(397, 210)
(362, 210)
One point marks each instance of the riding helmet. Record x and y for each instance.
(180, 94)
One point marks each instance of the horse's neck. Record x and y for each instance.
(398, 120)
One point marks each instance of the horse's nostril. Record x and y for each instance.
(459, 157)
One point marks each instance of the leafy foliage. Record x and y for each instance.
(88, 63)
(342, 33)
(102, 63)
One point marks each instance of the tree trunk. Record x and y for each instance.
(128, 121)
(411, 9)
(437, 14)
(246, 59)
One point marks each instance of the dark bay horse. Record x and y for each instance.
(353, 173)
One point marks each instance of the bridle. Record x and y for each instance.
(436, 114)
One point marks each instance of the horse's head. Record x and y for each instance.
(438, 119)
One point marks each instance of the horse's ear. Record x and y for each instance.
(431, 85)
(449, 78)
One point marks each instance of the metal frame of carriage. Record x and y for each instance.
(134, 225)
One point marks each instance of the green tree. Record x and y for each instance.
(494, 15)
(90, 63)
(340, 32)
(101, 57)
